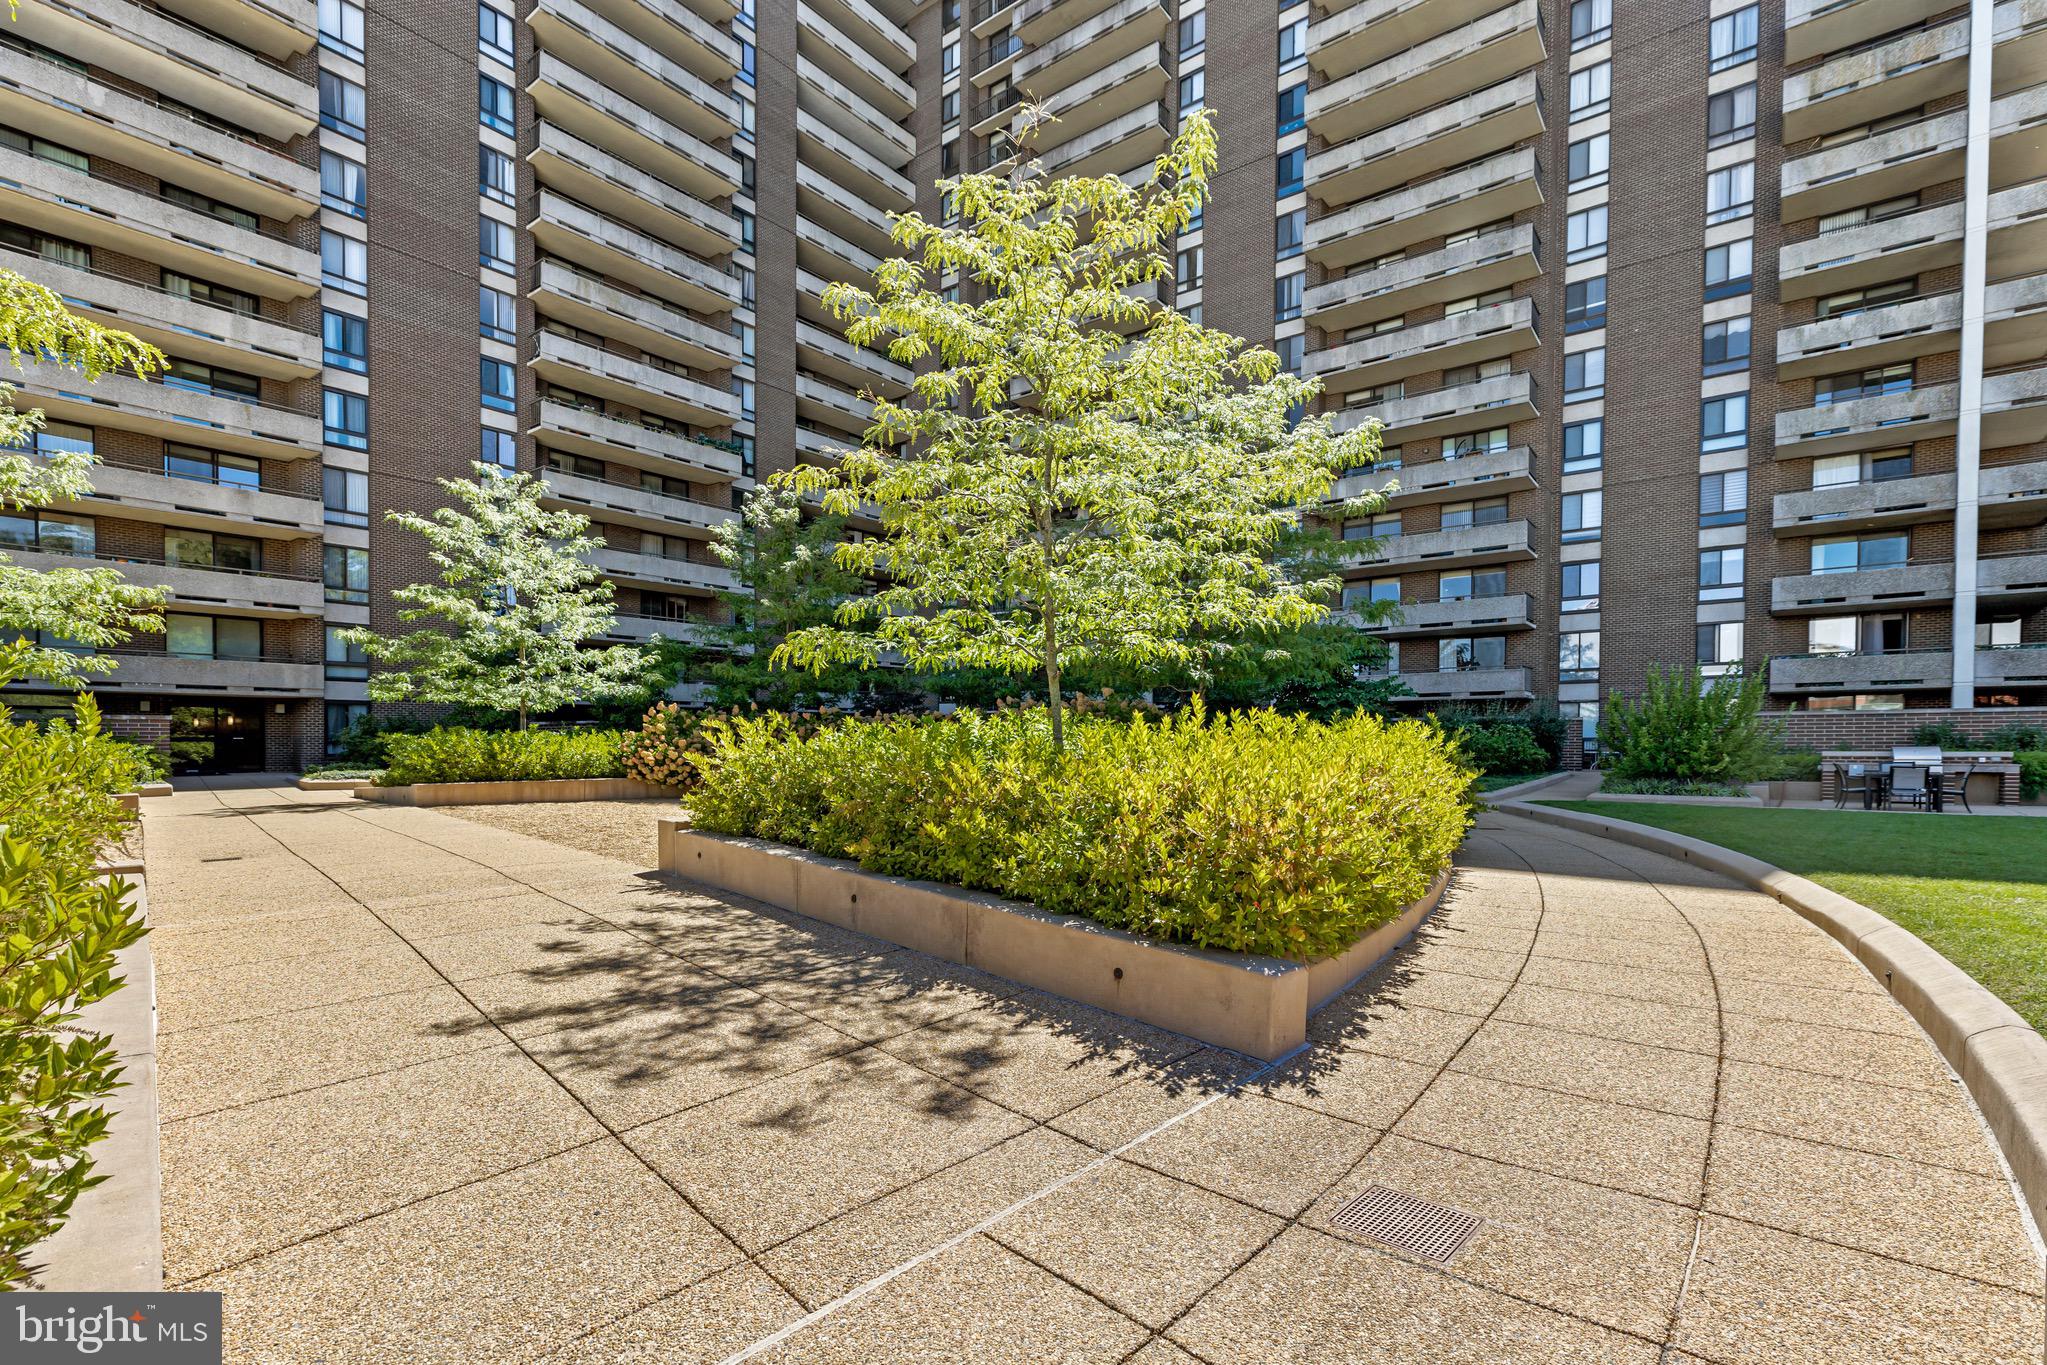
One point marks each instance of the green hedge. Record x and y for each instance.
(1253, 832)
(1666, 786)
(2032, 774)
(456, 755)
(1502, 749)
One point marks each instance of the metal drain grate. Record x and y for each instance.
(1408, 1223)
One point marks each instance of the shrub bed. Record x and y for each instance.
(1254, 832)
(1666, 786)
(458, 755)
(2032, 774)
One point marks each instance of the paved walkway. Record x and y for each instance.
(434, 1090)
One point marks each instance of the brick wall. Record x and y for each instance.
(1237, 226)
(775, 238)
(1882, 729)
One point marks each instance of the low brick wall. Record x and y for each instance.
(1882, 729)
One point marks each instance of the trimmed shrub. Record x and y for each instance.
(1690, 730)
(454, 755)
(1544, 724)
(2017, 738)
(364, 742)
(1253, 832)
(1943, 733)
(1654, 786)
(1502, 749)
(2032, 774)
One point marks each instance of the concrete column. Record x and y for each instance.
(1969, 428)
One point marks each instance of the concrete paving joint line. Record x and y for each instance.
(2001, 1059)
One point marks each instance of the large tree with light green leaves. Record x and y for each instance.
(95, 608)
(504, 628)
(1078, 475)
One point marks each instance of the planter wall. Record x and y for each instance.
(513, 793)
(1254, 1005)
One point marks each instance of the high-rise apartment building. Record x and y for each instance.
(1702, 331)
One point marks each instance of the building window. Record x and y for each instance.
(1723, 422)
(1479, 512)
(208, 466)
(346, 662)
(497, 314)
(341, 28)
(1585, 234)
(497, 244)
(1578, 656)
(1877, 633)
(341, 104)
(1730, 269)
(500, 385)
(494, 104)
(341, 715)
(949, 107)
(1293, 172)
(50, 532)
(1370, 593)
(1585, 374)
(1731, 115)
(1194, 33)
(1723, 498)
(1293, 109)
(1580, 586)
(1586, 161)
(1591, 91)
(345, 571)
(1584, 445)
(1289, 350)
(211, 637)
(1193, 90)
(1851, 301)
(1187, 268)
(1469, 653)
(495, 178)
(1724, 346)
(1585, 304)
(1286, 296)
(1385, 526)
(344, 263)
(2001, 632)
(346, 340)
(1720, 574)
(1857, 384)
(494, 34)
(1489, 442)
(1849, 554)
(347, 418)
(342, 184)
(1868, 213)
(1731, 193)
(1293, 44)
(1582, 512)
(345, 495)
(1591, 22)
(500, 449)
(1733, 38)
(1290, 234)
(1720, 646)
(1877, 466)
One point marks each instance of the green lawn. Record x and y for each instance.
(1974, 889)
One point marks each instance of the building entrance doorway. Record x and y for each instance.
(217, 739)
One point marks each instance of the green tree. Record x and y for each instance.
(1055, 492)
(790, 580)
(1690, 728)
(517, 597)
(96, 608)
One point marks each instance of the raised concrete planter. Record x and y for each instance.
(1999, 1056)
(331, 784)
(512, 793)
(1255, 1005)
(149, 789)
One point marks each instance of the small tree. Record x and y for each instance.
(96, 608)
(504, 628)
(790, 581)
(1690, 729)
(1055, 492)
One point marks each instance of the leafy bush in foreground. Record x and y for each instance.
(453, 755)
(1254, 832)
(1502, 749)
(1691, 729)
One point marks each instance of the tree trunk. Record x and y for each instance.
(1052, 683)
(522, 695)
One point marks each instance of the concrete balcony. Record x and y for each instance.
(1468, 476)
(1914, 670)
(819, 39)
(1469, 684)
(620, 58)
(1891, 249)
(852, 116)
(622, 503)
(2018, 579)
(159, 673)
(820, 447)
(198, 331)
(696, 37)
(1494, 260)
(1872, 169)
(2018, 666)
(273, 595)
(1133, 140)
(824, 252)
(162, 53)
(1873, 336)
(595, 305)
(2015, 321)
(1080, 49)
(2019, 29)
(1478, 124)
(1832, 594)
(1483, 52)
(1461, 339)
(276, 28)
(2012, 494)
(1467, 197)
(606, 246)
(877, 185)
(1501, 543)
(116, 217)
(638, 630)
(584, 431)
(819, 400)
(1507, 612)
(610, 184)
(2018, 230)
(1890, 419)
(662, 573)
(879, 36)
(1038, 21)
(831, 208)
(1873, 83)
(1118, 89)
(1442, 412)
(125, 403)
(2018, 138)
(137, 130)
(825, 352)
(1812, 27)
(2014, 408)
(1362, 33)
(153, 496)
(634, 383)
(607, 118)
(1863, 506)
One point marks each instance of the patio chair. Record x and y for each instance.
(1954, 786)
(1850, 779)
(1908, 784)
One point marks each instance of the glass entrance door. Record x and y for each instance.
(217, 739)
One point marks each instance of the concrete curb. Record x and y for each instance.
(1534, 784)
(113, 1240)
(516, 793)
(332, 784)
(1255, 1005)
(1999, 1056)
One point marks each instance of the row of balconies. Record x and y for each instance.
(1459, 547)
(635, 383)
(1902, 160)
(1483, 52)
(582, 430)
(613, 185)
(662, 573)
(624, 502)
(1457, 616)
(1465, 338)
(852, 116)
(596, 305)
(2014, 331)
(1354, 34)
(826, 352)
(244, 591)
(850, 63)
(126, 403)
(1068, 52)
(1499, 401)
(1467, 197)
(691, 99)
(2008, 495)
(605, 246)
(150, 495)
(1467, 684)
(1486, 474)
(2002, 580)
(268, 676)
(1905, 671)
(1868, 83)
(2014, 413)
(1910, 244)
(607, 117)
(1478, 265)
(694, 35)
(852, 167)
(1450, 134)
